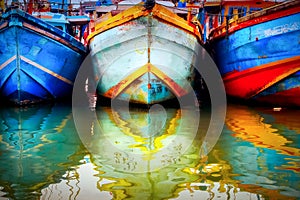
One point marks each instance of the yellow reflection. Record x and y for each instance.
(248, 125)
(59, 128)
(118, 172)
(214, 175)
(141, 164)
(143, 142)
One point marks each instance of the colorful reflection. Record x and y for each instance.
(264, 149)
(142, 140)
(37, 146)
(143, 154)
(138, 154)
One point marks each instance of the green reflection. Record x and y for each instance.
(41, 156)
(138, 163)
(37, 145)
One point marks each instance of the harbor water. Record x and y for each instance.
(44, 154)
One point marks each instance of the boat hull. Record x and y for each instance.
(144, 60)
(260, 61)
(36, 64)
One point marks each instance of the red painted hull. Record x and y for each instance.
(289, 97)
(248, 83)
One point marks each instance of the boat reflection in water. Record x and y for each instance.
(37, 146)
(148, 154)
(264, 150)
(135, 161)
(143, 140)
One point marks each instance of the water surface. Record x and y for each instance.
(120, 156)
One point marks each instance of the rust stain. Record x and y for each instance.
(175, 88)
(263, 56)
(114, 21)
(138, 11)
(114, 91)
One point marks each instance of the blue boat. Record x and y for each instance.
(39, 58)
(255, 45)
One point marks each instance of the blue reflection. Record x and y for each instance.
(37, 145)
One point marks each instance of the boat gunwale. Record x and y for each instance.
(157, 12)
(44, 28)
(252, 19)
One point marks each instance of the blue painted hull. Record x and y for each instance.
(271, 45)
(242, 50)
(37, 61)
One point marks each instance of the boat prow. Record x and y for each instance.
(144, 55)
(38, 61)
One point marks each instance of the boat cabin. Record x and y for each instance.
(55, 19)
(68, 24)
(216, 13)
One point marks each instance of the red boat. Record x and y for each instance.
(256, 47)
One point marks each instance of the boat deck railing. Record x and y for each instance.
(234, 21)
(268, 10)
